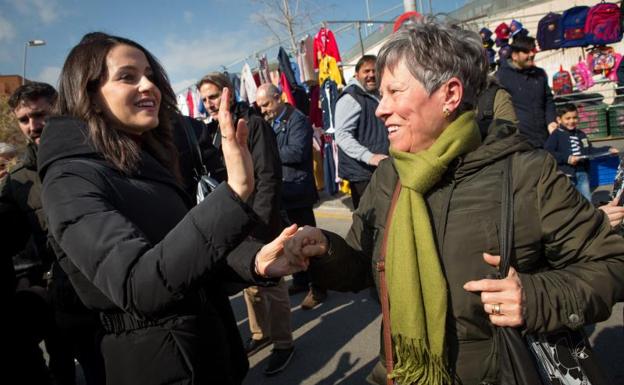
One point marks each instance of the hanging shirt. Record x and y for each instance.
(325, 45)
(305, 59)
(248, 85)
(328, 68)
(263, 69)
(190, 103)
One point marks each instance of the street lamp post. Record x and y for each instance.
(30, 43)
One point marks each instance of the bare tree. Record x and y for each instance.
(285, 19)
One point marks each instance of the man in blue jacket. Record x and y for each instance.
(530, 93)
(293, 133)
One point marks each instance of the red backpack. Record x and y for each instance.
(562, 82)
(602, 25)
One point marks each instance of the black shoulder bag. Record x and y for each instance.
(205, 183)
(559, 358)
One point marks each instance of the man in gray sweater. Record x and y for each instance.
(362, 138)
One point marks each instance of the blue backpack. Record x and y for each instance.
(549, 32)
(573, 27)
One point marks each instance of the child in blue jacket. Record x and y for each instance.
(571, 148)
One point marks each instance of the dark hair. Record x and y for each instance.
(220, 80)
(523, 44)
(365, 59)
(81, 77)
(565, 108)
(32, 91)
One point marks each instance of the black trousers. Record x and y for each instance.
(357, 190)
(303, 216)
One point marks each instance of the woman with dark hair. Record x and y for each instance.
(123, 230)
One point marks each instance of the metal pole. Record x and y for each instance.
(409, 5)
(359, 28)
(24, 64)
(367, 18)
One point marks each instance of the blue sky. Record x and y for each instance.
(190, 38)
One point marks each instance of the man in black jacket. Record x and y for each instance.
(71, 329)
(530, 93)
(265, 202)
(294, 140)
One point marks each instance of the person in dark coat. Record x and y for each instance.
(266, 203)
(71, 331)
(265, 200)
(530, 93)
(123, 229)
(293, 132)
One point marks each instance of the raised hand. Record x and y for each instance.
(271, 260)
(503, 299)
(235, 151)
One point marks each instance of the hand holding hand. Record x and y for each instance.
(306, 243)
(503, 299)
(271, 260)
(235, 151)
(614, 212)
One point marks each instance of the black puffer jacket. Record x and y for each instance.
(154, 269)
(27, 244)
(532, 99)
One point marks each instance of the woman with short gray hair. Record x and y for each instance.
(433, 210)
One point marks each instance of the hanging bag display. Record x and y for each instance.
(573, 27)
(562, 82)
(558, 358)
(601, 60)
(549, 32)
(582, 76)
(603, 24)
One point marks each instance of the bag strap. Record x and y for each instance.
(383, 288)
(507, 219)
(199, 169)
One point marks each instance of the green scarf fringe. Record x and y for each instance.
(416, 364)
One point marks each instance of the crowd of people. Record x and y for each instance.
(113, 262)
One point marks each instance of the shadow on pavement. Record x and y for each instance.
(321, 336)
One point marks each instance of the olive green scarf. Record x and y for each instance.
(416, 284)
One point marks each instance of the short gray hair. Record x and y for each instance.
(272, 91)
(435, 52)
